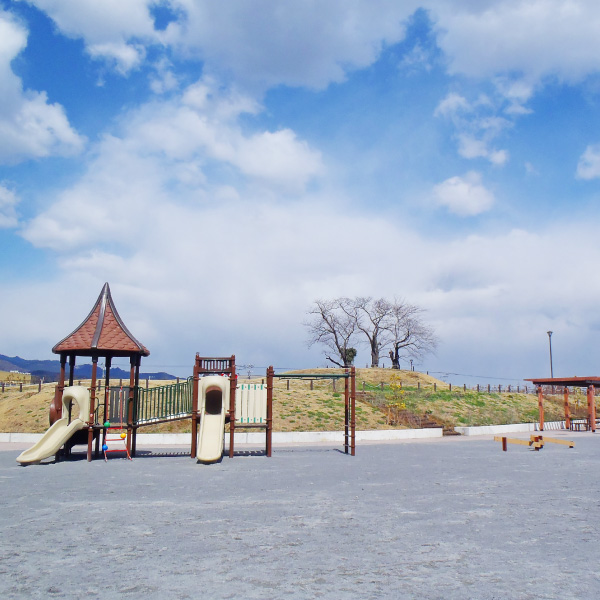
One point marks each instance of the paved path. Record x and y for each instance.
(446, 519)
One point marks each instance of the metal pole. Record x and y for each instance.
(550, 343)
(270, 373)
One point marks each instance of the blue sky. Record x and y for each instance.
(222, 165)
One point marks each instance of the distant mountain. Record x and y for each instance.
(49, 370)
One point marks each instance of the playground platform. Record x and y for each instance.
(451, 518)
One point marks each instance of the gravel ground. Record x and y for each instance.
(454, 518)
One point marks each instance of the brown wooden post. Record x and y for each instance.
(541, 406)
(347, 413)
(434, 386)
(138, 362)
(130, 404)
(593, 409)
(92, 407)
(106, 396)
(311, 384)
(72, 369)
(504, 444)
(233, 385)
(270, 373)
(353, 411)
(287, 384)
(333, 386)
(449, 387)
(567, 415)
(195, 410)
(591, 400)
(56, 406)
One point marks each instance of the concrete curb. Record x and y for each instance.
(513, 428)
(293, 437)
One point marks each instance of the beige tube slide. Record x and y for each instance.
(214, 395)
(61, 431)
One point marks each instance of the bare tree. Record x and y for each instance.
(385, 324)
(372, 318)
(335, 329)
(410, 336)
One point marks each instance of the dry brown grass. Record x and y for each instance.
(322, 409)
(296, 409)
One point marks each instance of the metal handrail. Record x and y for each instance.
(163, 402)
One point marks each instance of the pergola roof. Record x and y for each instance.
(102, 333)
(567, 381)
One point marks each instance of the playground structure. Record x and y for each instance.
(63, 429)
(211, 398)
(591, 383)
(349, 376)
(535, 442)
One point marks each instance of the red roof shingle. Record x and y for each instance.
(102, 333)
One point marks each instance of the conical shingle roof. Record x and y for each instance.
(102, 333)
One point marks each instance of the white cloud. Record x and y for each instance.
(538, 38)
(311, 43)
(191, 145)
(477, 124)
(469, 147)
(464, 196)
(452, 105)
(221, 278)
(261, 43)
(588, 166)
(165, 79)
(124, 56)
(112, 29)
(8, 203)
(30, 126)
(307, 43)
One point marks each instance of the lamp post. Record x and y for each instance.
(550, 343)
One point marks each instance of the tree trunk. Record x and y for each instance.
(374, 352)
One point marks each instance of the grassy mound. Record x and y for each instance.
(385, 399)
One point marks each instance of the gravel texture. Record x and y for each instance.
(452, 518)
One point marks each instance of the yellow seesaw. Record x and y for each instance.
(535, 441)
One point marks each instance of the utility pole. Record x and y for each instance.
(550, 342)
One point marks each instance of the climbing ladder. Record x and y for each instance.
(117, 404)
(122, 437)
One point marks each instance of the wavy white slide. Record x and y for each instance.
(61, 431)
(215, 399)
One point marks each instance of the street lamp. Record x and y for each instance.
(550, 342)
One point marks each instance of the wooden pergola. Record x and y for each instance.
(591, 383)
(102, 334)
